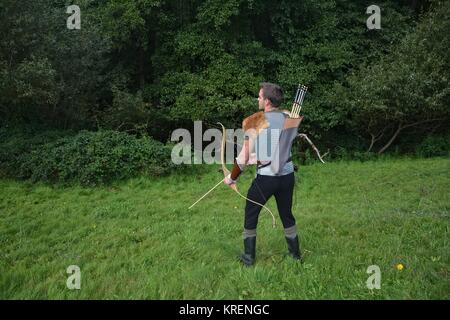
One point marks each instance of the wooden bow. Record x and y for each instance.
(226, 172)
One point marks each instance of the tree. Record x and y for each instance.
(49, 73)
(407, 88)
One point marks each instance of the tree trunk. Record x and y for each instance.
(372, 141)
(375, 138)
(400, 127)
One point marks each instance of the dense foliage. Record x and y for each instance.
(89, 158)
(147, 67)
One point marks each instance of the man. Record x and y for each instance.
(270, 180)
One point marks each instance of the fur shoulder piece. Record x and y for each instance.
(256, 122)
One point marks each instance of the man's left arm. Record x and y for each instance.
(240, 163)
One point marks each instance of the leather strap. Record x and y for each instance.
(260, 165)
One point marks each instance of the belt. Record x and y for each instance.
(259, 165)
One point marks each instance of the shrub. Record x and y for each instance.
(15, 142)
(92, 158)
(433, 146)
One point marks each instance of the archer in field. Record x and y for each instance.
(269, 135)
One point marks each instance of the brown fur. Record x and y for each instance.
(258, 121)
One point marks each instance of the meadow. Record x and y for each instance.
(136, 239)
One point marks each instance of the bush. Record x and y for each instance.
(93, 158)
(433, 146)
(17, 141)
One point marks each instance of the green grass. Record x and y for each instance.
(138, 240)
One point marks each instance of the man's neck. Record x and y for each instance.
(268, 109)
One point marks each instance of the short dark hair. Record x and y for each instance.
(273, 92)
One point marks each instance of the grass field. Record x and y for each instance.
(137, 240)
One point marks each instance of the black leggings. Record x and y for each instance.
(262, 188)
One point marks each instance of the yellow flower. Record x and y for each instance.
(399, 267)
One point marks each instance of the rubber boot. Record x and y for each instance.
(248, 257)
(293, 247)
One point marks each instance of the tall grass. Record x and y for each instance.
(137, 239)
